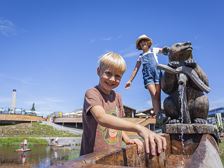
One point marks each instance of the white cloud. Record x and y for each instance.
(131, 54)
(24, 81)
(92, 40)
(45, 106)
(118, 37)
(5, 100)
(7, 27)
(107, 38)
(216, 103)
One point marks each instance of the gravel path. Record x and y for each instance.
(67, 141)
(63, 128)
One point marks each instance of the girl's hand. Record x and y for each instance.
(128, 85)
(139, 144)
(165, 50)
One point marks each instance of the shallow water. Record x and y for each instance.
(40, 156)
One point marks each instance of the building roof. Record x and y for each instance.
(145, 110)
(216, 110)
(129, 108)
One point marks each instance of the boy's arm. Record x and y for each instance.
(128, 141)
(152, 140)
(135, 71)
(125, 137)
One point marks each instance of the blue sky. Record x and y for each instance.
(49, 48)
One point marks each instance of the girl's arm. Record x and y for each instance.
(164, 50)
(157, 50)
(135, 71)
(153, 142)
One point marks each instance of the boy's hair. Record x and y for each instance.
(114, 60)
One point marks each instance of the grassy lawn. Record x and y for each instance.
(32, 130)
(14, 134)
(17, 140)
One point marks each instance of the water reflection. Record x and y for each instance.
(39, 157)
(23, 157)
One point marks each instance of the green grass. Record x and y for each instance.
(18, 140)
(45, 130)
(32, 130)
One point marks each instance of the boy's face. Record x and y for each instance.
(109, 79)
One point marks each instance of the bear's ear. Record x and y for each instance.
(165, 50)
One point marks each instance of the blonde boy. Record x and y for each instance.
(102, 127)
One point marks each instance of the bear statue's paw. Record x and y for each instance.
(190, 63)
(200, 121)
(174, 64)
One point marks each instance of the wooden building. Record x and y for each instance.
(129, 112)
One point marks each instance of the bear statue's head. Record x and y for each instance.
(180, 52)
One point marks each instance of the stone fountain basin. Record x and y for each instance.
(198, 149)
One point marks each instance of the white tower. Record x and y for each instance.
(13, 105)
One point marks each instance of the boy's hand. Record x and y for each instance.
(138, 143)
(128, 85)
(154, 143)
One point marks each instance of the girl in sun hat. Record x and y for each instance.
(151, 75)
(143, 37)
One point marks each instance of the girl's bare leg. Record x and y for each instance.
(155, 95)
(158, 95)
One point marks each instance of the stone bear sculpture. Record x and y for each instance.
(183, 71)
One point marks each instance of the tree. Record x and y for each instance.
(33, 107)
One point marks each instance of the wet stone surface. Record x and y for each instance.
(190, 129)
